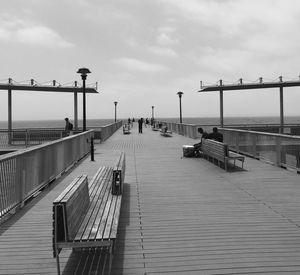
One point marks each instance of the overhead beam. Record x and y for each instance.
(46, 88)
(249, 86)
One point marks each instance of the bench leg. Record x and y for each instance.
(57, 260)
(111, 253)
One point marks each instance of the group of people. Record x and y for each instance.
(215, 135)
(141, 122)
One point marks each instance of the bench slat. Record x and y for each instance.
(97, 217)
(74, 204)
(107, 230)
(115, 223)
(68, 189)
(104, 217)
(98, 189)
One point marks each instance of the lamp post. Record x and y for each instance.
(116, 102)
(152, 112)
(83, 72)
(180, 95)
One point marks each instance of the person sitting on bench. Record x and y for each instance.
(197, 146)
(215, 135)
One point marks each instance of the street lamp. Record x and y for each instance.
(83, 72)
(116, 102)
(180, 95)
(152, 112)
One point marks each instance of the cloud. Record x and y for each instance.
(41, 36)
(133, 64)
(26, 32)
(4, 34)
(166, 39)
(163, 51)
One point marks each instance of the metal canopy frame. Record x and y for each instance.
(248, 86)
(43, 88)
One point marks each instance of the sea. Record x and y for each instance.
(211, 121)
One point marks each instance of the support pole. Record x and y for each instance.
(92, 149)
(281, 111)
(84, 103)
(75, 110)
(221, 109)
(9, 116)
(221, 106)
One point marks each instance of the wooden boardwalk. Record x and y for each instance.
(179, 216)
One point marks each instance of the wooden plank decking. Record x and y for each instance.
(179, 216)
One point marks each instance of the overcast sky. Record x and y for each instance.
(143, 52)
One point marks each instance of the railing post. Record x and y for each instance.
(278, 151)
(92, 149)
(27, 141)
(255, 155)
(194, 131)
(237, 142)
(22, 188)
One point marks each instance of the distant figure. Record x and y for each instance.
(133, 120)
(215, 135)
(68, 126)
(152, 121)
(197, 146)
(140, 122)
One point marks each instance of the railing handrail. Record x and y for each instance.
(260, 133)
(38, 147)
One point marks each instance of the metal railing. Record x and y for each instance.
(34, 136)
(30, 137)
(104, 132)
(26, 171)
(188, 130)
(278, 149)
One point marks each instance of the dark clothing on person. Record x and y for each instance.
(215, 135)
(140, 122)
(69, 125)
(197, 146)
(204, 135)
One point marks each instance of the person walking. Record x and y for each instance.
(140, 122)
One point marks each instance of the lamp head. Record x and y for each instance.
(180, 94)
(116, 102)
(83, 71)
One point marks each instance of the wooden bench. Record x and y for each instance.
(87, 215)
(126, 129)
(165, 132)
(218, 151)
